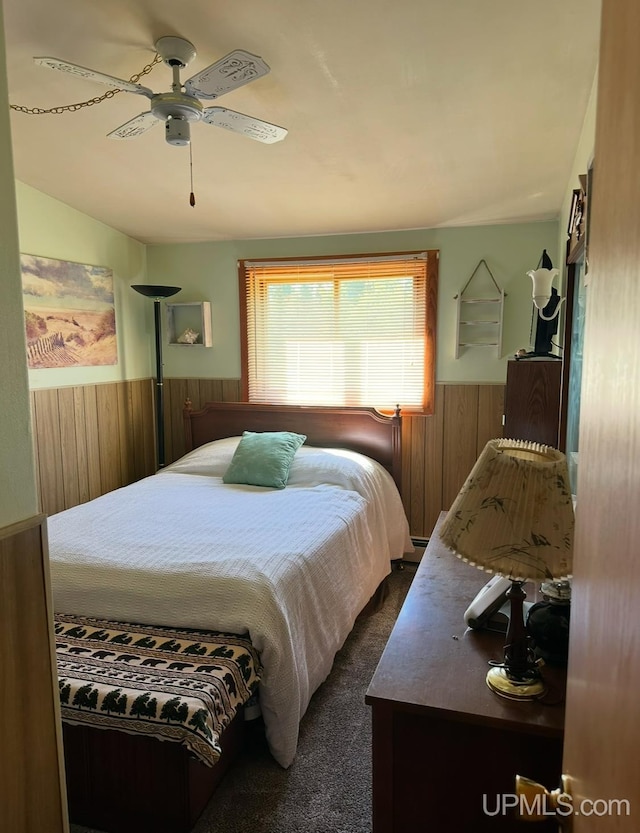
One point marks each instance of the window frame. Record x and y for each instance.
(431, 309)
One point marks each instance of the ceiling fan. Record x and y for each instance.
(181, 106)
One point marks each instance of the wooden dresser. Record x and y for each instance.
(532, 400)
(446, 748)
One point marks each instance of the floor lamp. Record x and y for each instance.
(158, 293)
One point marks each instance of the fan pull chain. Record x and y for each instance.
(72, 108)
(192, 196)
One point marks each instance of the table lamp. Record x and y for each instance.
(514, 517)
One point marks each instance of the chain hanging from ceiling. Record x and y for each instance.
(72, 108)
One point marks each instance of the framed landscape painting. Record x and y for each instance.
(69, 313)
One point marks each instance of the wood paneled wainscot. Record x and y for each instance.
(439, 451)
(91, 439)
(32, 790)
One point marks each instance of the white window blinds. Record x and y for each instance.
(344, 331)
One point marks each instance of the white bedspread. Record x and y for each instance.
(291, 567)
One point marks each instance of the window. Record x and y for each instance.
(344, 331)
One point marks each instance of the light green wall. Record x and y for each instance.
(50, 228)
(208, 271)
(17, 473)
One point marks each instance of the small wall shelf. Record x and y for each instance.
(479, 317)
(194, 316)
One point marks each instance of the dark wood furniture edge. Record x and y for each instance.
(365, 430)
(532, 400)
(433, 717)
(125, 783)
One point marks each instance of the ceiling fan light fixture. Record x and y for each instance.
(175, 51)
(177, 131)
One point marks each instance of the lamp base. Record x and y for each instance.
(532, 687)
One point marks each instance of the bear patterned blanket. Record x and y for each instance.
(176, 685)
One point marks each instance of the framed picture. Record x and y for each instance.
(69, 313)
(576, 228)
(573, 212)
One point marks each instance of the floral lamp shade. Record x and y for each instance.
(514, 514)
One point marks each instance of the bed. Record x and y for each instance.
(291, 567)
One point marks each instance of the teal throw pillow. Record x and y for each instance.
(263, 459)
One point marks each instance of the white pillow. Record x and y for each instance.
(332, 467)
(211, 459)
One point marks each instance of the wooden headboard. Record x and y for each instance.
(357, 429)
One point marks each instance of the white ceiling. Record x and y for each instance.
(404, 114)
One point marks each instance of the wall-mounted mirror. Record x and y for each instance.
(577, 265)
(574, 381)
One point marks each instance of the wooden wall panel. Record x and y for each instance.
(414, 501)
(125, 433)
(490, 412)
(199, 391)
(422, 467)
(47, 437)
(32, 784)
(91, 439)
(147, 422)
(211, 391)
(175, 391)
(138, 430)
(231, 390)
(108, 436)
(81, 458)
(460, 438)
(194, 393)
(68, 446)
(94, 474)
(108, 439)
(434, 461)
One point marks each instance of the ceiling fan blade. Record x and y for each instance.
(91, 75)
(257, 129)
(134, 127)
(233, 71)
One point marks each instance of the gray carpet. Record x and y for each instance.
(328, 787)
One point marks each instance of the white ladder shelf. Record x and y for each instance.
(479, 317)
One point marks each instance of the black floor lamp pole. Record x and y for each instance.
(158, 293)
(159, 387)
